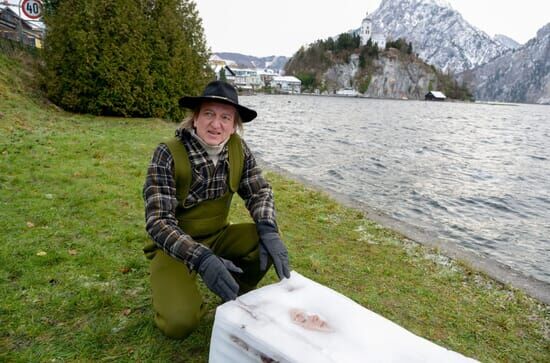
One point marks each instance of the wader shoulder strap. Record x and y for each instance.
(182, 167)
(236, 162)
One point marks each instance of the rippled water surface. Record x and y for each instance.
(475, 174)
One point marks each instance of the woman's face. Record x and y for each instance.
(215, 122)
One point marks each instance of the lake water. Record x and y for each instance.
(476, 175)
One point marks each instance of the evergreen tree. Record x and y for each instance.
(369, 43)
(362, 60)
(124, 57)
(330, 44)
(347, 41)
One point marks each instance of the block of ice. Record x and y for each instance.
(299, 320)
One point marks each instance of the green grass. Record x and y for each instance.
(74, 282)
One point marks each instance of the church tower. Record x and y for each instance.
(366, 29)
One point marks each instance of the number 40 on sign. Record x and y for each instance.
(32, 8)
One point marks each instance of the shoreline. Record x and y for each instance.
(499, 272)
(449, 100)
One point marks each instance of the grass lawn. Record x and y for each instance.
(74, 281)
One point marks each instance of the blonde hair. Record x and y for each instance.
(187, 122)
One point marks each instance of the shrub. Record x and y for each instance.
(125, 57)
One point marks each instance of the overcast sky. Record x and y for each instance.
(280, 27)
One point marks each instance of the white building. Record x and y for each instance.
(347, 92)
(247, 78)
(368, 32)
(250, 79)
(286, 84)
(266, 76)
(222, 66)
(366, 29)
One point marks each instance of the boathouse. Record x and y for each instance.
(435, 96)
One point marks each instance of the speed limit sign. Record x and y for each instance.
(32, 8)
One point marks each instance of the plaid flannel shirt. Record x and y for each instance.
(207, 182)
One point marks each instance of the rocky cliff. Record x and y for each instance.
(393, 73)
(397, 78)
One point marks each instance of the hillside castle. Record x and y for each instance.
(367, 31)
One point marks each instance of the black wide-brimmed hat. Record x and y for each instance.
(219, 91)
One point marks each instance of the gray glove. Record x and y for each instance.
(271, 245)
(214, 271)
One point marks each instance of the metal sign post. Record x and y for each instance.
(20, 23)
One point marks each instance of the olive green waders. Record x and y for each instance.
(177, 301)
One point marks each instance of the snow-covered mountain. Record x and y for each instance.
(439, 34)
(275, 63)
(506, 41)
(522, 75)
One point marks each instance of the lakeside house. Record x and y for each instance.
(435, 96)
(15, 28)
(267, 75)
(253, 79)
(286, 84)
(248, 79)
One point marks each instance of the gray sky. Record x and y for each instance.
(280, 27)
